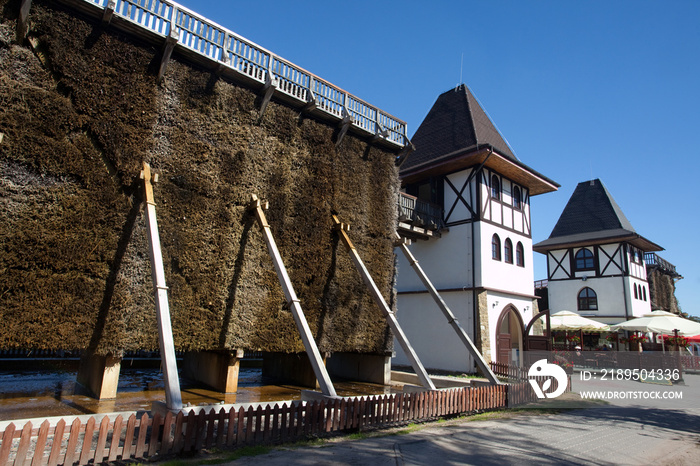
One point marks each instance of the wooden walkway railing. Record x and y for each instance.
(225, 49)
(108, 440)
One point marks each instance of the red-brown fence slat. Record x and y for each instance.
(102, 434)
(221, 428)
(43, 435)
(153, 441)
(231, 430)
(284, 419)
(200, 430)
(72, 442)
(87, 441)
(299, 418)
(179, 436)
(55, 443)
(116, 437)
(127, 449)
(166, 442)
(6, 446)
(317, 416)
(210, 418)
(257, 438)
(190, 425)
(250, 426)
(275, 432)
(24, 442)
(330, 415)
(143, 430)
(240, 432)
(343, 414)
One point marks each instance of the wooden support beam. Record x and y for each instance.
(109, 12)
(451, 319)
(170, 41)
(423, 376)
(344, 126)
(324, 380)
(173, 397)
(381, 133)
(268, 90)
(310, 105)
(405, 152)
(22, 20)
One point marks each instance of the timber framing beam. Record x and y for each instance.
(342, 229)
(324, 380)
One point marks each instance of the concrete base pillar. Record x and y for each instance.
(293, 368)
(217, 369)
(373, 368)
(99, 375)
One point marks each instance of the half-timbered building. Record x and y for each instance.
(596, 259)
(466, 204)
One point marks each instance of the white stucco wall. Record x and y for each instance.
(431, 336)
(499, 274)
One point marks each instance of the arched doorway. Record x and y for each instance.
(509, 337)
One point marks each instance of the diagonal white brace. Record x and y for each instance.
(422, 374)
(324, 380)
(173, 397)
(451, 319)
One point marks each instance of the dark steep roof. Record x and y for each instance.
(456, 123)
(456, 134)
(593, 217)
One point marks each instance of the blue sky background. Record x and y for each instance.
(581, 90)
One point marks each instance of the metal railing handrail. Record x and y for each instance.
(234, 52)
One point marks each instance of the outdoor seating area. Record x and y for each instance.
(659, 339)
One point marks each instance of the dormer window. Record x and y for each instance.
(517, 198)
(495, 188)
(584, 260)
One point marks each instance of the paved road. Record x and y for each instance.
(622, 433)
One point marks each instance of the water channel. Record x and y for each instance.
(47, 388)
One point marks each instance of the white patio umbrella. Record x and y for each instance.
(660, 322)
(567, 320)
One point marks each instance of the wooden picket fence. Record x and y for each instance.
(107, 440)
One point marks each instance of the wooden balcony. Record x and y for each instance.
(419, 219)
(652, 260)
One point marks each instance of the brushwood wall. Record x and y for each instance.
(80, 110)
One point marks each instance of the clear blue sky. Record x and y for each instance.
(581, 90)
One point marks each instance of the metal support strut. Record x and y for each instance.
(307, 338)
(342, 228)
(451, 319)
(173, 397)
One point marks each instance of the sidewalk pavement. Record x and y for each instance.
(602, 436)
(621, 432)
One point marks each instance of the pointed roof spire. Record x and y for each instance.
(593, 217)
(455, 123)
(457, 133)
